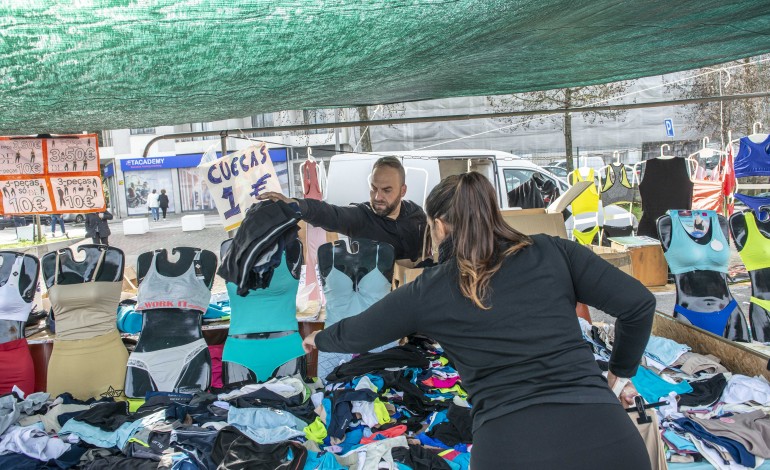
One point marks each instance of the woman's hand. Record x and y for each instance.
(308, 344)
(628, 393)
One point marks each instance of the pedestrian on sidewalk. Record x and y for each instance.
(97, 227)
(57, 218)
(163, 202)
(153, 202)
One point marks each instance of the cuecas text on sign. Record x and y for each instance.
(235, 180)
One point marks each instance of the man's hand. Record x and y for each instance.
(308, 344)
(628, 393)
(275, 197)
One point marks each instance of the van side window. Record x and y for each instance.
(515, 177)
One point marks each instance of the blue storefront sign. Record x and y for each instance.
(183, 161)
(109, 170)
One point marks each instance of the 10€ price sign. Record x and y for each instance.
(50, 175)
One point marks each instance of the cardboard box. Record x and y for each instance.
(404, 272)
(130, 283)
(738, 358)
(621, 259)
(550, 220)
(648, 263)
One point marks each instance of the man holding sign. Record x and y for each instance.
(387, 217)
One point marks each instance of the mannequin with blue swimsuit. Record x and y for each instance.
(698, 258)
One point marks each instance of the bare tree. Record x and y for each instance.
(560, 98)
(383, 111)
(714, 119)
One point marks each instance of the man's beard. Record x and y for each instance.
(387, 210)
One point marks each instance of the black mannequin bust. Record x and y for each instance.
(704, 291)
(356, 259)
(164, 328)
(759, 318)
(29, 275)
(72, 271)
(166, 267)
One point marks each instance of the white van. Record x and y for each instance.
(347, 179)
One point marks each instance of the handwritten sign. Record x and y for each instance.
(235, 180)
(50, 175)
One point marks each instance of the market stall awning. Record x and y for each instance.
(107, 64)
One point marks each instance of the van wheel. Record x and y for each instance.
(79, 219)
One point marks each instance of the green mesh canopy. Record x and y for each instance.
(107, 64)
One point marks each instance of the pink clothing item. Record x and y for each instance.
(395, 431)
(436, 382)
(216, 365)
(315, 236)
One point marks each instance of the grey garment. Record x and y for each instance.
(51, 419)
(750, 429)
(11, 409)
(617, 192)
(93, 454)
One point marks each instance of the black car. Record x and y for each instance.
(11, 220)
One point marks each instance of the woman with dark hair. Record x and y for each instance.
(502, 306)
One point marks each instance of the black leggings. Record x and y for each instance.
(100, 240)
(560, 436)
(164, 209)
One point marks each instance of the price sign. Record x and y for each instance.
(51, 175)
(235, 180)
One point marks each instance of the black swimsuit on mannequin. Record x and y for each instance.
(164, 328)
(704, 291)
(236, 375)
(11, 330)
(357, 259)
(759, 318)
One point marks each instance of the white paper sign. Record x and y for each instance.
(235, 180)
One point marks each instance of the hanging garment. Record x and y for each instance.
(344, 299)
(88, 368)
(586, 203)
(85, 310)
(616, 188)
(687, 253)
(727, 175)
(314, 236)
(753, 158)
(87, 339)
(166, 366)
(16, 367)
(666, 185)
(262, 226)
(526, 195)
(188, 291)
(312, 187)
(13, 307)
(755, 254)
(759, 205)
(264, 311)
(707, 195)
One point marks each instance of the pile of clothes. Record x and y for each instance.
(403, 407)
(707, 414)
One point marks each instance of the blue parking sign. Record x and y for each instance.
(669, 127)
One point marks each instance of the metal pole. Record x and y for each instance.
(457, 117)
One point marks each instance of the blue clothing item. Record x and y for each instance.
(345, 300)
(117, 438)
(322, 461)
(753, 158)
(129, 320)
(709, 253)
(680, 443)
(376, 380)
(352, 439)
(737, 451)
(217, 310)
(265, 310)
(183, 462)
(664, 350)
(463, 460)
(437, 418)
(652, 387)
(429, 441)
(263, 356)
(155, 213)
(714, 322)
(266, 425)
(759, 205)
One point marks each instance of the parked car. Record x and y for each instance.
(75, 218)
(561, 172)
(8, 220)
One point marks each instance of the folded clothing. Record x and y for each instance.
(741, 389)
(652, 387)
(704, 392)
(664, 350)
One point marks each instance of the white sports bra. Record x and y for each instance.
(12, 305)
(187, 291)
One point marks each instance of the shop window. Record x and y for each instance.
(195, 194)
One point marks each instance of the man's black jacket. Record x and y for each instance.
(359, 221)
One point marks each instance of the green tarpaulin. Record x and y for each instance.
(105, 64)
